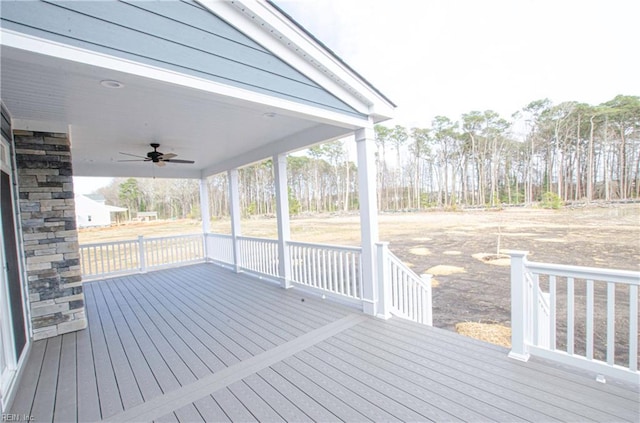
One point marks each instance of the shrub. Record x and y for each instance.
(551, 200)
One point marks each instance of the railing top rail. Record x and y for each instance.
(135, 240)
(218, 235)
(329, 246)
(100, 244)
(255, 238)
(593, 273)
(156, 238)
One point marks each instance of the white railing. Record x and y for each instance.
(258, 255)
(172, 250)
(109, 258)
(407, 294)
(592, 318)
(331, 268)
(98, 260)
(220, 248)
(540, 332)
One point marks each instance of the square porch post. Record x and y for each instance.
(205, 214)
(284, 229)
(234, 211)
(365, 142)
(204, 206)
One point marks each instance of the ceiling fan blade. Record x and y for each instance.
(133, 160)
(160, 163)
(132, 155)
(178, 161)
(168, 156)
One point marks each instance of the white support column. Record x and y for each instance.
(365, 142)
(284, 228)
(519, 308)
(384, 272)
(205, 214)
(234, 211)
(204, 206)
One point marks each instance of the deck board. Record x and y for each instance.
(128, 386)
(108, 393)
(152, 336)
(474, 359)
(159, 378)
(87, 400)
(23, 400)
(165, 348)
(198, 360)
(66, 406)
(301, 399)
(210, 410)
(510, 389)
(45, 396)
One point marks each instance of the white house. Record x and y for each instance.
(93, 213)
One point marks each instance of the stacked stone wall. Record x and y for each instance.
(47, 215)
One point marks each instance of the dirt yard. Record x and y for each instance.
(451, 245)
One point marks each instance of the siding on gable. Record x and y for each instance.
(175, 35)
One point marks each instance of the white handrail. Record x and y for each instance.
(574, 296)
(408, 295)
(101, 259)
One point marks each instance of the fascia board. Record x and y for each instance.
(265, 25)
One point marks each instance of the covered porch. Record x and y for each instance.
(203, 343)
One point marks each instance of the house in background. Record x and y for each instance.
(91, 210)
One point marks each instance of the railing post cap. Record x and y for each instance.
(518, 253)
(383, 243)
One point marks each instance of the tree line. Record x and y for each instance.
(569, 152)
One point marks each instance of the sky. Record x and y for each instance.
(449, 57)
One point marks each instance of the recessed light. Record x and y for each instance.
(108, 83)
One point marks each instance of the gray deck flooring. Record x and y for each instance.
(200, 343)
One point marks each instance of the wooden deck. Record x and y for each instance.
(201, 343)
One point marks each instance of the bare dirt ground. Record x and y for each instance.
(452, 244)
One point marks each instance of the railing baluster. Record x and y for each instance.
(535, 338)
(611, 322)
(570, 316)
(325, 281)
(552, 312)
(633, 328)
(354, 278)
(340, 274)
(589, 322)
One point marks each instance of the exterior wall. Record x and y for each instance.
(91, 213)
(176, 35)
(47, 212)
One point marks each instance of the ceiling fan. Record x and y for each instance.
(156, 157)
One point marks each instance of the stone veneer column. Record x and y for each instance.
(48, 220)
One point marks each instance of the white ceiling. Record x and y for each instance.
(218, 132)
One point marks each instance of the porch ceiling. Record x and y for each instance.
(218, 131)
